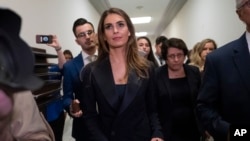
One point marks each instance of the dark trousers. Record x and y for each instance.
(57, 126)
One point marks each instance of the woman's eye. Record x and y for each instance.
(121, 24)
(108, 27)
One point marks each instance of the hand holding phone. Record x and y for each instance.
(44, 39)
(75, 106)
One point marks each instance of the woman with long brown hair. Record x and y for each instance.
(119, 84)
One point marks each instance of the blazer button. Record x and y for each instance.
(112, 133)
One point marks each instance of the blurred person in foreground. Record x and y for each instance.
(224, 101)
(20, 118)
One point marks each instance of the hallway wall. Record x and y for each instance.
(199, 19)
(52, 17)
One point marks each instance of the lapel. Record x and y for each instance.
(191, 82)
(105, 81)
(107, 86)
(78, 63)
(165, 79)
(133, 85)
(241, 59)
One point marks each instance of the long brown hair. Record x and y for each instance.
(151, 56)
(134, 62)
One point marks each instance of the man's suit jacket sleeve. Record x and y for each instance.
(152, 107)
(67, 86)
(88, 103)
(208, 99)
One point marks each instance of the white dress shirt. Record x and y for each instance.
(248, 39)
(87, 58)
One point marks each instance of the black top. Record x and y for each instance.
(176, 100)
(183, 120)
(120, 90)
(136, 119)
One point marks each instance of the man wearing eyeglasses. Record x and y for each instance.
(86, 38)
(224, 100)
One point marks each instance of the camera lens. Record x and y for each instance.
(45, 39)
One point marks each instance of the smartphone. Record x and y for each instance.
(44, 39)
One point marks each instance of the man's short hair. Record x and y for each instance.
(80, 21)
(160, 39)
(239, 3)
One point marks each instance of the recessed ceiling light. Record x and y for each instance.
(139, 7)
(141, 33)
(140, 20)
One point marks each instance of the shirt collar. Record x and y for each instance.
(85, 55)
(248, 39)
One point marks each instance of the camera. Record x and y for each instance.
(44, 39)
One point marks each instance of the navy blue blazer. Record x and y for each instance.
(224, 98)
(136, 117)
(54, 108)
(72, 85)
(164, 95)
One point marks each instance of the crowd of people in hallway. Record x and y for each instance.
(119, 89)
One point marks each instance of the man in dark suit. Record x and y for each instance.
(224, 99)
(85, 37)
(158, 43)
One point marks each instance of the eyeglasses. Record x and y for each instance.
(84, 34)
(245, 3)
(173, 56)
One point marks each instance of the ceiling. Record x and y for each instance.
(161, 11)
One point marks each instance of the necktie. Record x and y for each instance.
(91, 58)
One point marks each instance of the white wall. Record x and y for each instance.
(52, 17)
(199, 19)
